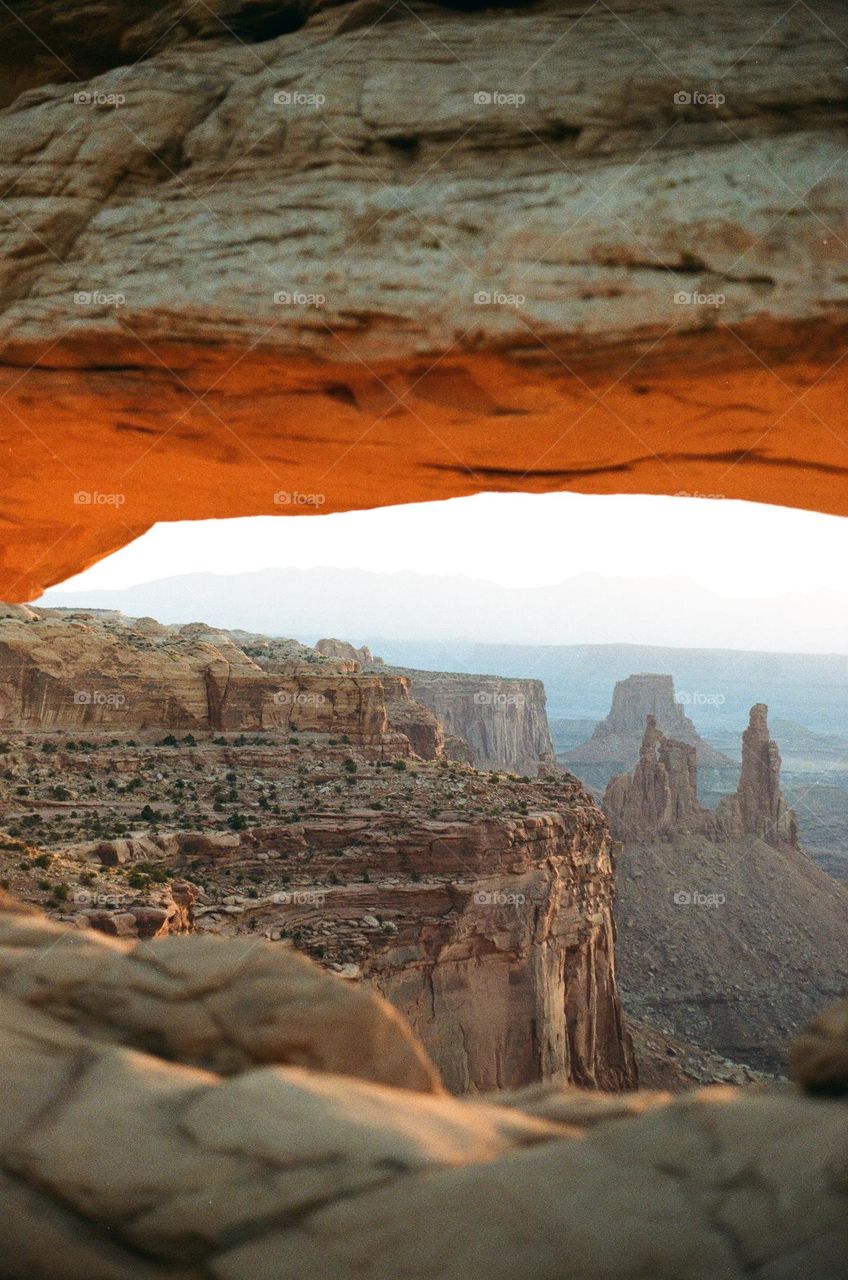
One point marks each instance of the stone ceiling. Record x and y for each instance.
(268, 259)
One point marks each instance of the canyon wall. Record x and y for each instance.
(479, 902)
(493, 936)
(504, 721)
(86, 671)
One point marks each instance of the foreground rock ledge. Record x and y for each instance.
(119, 1161)
(215, 303)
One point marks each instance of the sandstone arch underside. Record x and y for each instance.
(221, 295)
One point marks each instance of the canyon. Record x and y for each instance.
(296, 257)
(226, 783)
(729, 934)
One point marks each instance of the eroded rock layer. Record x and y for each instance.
(61, 671)
(238, 784)
(504, 721)
(249, 269)
(660, 798)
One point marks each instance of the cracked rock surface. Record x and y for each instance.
(121, 1157)
(405, 252)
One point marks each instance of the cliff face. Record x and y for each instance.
(493, 936)
(411, 717)
(480, 905)
(94, 672)
(661, 796)
(504, 721)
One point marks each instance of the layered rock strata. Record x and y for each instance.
(481, 905)
(504, 721)
(89, 672)
(493, 936)
(181, 189)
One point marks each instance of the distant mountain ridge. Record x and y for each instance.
(586, 608)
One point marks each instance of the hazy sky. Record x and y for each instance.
(734, 548)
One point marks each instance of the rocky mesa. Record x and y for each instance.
(479, 904)
(616, 741)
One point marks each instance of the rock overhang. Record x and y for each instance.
(344, 268)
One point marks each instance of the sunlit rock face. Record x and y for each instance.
(252, 269)
(94, 672)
